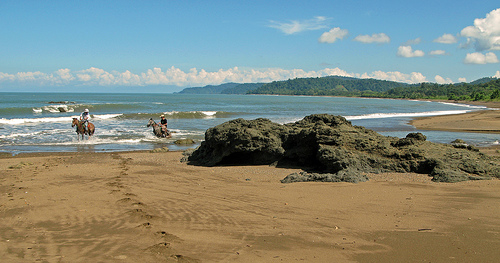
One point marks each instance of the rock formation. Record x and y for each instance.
(330, 148)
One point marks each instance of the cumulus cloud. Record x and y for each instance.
(437, 53)
(194, 77)
(485, 33)
(410, 42)
(497, 75)
(441, 80)
(408, 52)
(414, 77)
(480, 58)
(374, 38)
(156, 76)
(296, 26)
(333, 35)
(446, 39)
(462, 80)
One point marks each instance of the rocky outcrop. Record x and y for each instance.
(330, 148)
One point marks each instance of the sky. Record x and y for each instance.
(165, 46)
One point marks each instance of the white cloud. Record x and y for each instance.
(374, 38)
(462, 80)
(441, 80)
(446, 39)
(5, 77)
(193, 77)
(414, 77)
(410, 42)
(332, 35)
(480, 58)
(485, 33)
(497, 75)
(295, 26)
(408, 52)
(437, 52)
(156, 76)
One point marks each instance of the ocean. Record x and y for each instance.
(41, 122)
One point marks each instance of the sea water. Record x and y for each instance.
(41, 122)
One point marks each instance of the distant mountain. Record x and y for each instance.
(209, 89)
(354, 87)
(227, 88)
(482, 80)
(242, 88)
(329, 86)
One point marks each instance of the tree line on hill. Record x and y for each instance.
(480, 90)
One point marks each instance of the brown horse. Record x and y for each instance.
(157, 130)
(80, 129)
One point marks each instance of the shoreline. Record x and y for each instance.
(468, 122)
(481, 121)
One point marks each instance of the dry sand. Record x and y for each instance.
(150, 207)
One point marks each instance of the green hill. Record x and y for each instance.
(460, 91)
(479, 90)
(242, 88)
(209, 89)
(328, 86)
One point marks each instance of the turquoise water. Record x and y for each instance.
(41, 122)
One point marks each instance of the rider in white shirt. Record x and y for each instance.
(85, 117)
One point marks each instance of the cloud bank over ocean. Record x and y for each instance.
(194, 77)
(174, 76)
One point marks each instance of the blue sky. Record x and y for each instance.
(101, 45)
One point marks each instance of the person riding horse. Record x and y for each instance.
(163, 124)
(84, 118)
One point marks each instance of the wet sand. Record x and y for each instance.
(487, 121)
(150, 207)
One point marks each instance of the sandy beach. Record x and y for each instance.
(487, 121)
(150, 207)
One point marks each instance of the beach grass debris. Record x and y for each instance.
(20, 165)
(160, 150)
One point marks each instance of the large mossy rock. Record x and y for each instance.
(328, 144)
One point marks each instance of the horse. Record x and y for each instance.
(80, 129)
(157, 129)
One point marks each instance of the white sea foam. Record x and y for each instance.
(58, 108)
(191, 114)
(464, 105)
(209, 113)
(34, 120)
(53, 119)
(404, 114)
(106, 116)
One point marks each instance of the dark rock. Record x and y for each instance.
(241, 142)
(459, 141)
(328, 144)
(184, 141)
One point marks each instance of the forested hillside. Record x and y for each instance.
(484, 89)
(328, 86)
(461, 91)
(242, 88)
(209, 89)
